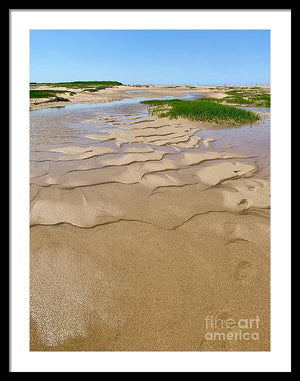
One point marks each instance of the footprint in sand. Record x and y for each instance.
(243, 271)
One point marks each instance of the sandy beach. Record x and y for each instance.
(117, 93)
(143, 229)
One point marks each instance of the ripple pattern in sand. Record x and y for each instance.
(139, 199)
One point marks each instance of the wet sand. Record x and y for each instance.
(115, 93)
(142, 227)
(118, 93)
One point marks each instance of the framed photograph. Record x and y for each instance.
(150, 184)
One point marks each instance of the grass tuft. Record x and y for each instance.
(45, 93)
(202, 109)
(248, 96)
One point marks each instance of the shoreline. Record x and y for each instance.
(121, 92)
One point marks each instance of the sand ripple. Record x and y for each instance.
(141, 233)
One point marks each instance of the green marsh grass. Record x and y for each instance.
(45, 93)
(248, 96)
(202, 109)
(79, 84)
(90, 86)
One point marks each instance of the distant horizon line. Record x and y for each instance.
(158, 84)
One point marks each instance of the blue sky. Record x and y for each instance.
(151, 56)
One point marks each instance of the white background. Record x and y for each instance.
(278, 359)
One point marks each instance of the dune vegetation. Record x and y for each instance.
(78, 84)
(251, 96)
(89, 86)
(48, 94)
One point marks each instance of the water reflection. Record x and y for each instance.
(68, 126)
(53, 127)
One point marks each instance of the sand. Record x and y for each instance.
(117, 93)
(134, 244)
(108, 95)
